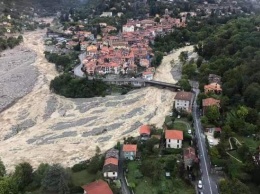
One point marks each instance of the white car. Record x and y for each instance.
(189, 131)
(200, 184)
(211, 143)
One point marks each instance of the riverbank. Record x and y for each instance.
(43, 127)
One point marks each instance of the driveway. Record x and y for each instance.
(208, 181)
(121, 174)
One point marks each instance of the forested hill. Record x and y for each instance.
(233, 52)
(42, 7)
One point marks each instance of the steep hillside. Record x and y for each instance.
(43, 8)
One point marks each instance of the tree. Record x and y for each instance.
(243, 152)
(23, 175)
(233, 187)
(212, 113)
(55, 180)
(151, 169)
(185, 84)
(38, 175)
(95, 164)
(183, 56)
(2, 169)
(204, 120)
(8, 185)
(189, 70)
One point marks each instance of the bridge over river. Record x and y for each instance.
(138, 82)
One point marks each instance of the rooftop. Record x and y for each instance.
(187, 96)
(174, 134)
(145, 129)
(111, 161)
(97, 187)
(210, 102)
(129, 148)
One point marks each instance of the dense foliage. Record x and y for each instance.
(10, 42)
(63, 62)
(71, 87)
(232, 52)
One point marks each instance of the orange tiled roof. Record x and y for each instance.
(174, 134)
(97, 187)
(210, 102)
(111, 161)
(145, 129)
(213, 86)
(129, 148)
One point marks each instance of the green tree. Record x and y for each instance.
(38, 176)
(8, 185)
(185, 84)
(95, 164)
(233, 187)
(55, 180)
(212, 113)
(2, 169)
(23, 175)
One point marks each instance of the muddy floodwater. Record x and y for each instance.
(43, 127)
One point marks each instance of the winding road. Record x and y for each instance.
(77, 70)
(208, 181)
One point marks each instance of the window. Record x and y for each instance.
(169, 146)
(178, 146)
(178, 141)
(169, 140)
(114, 173)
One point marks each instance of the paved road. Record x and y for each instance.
(124, 187)
(77, 70)
(209, 184)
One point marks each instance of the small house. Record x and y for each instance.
(173, 138)
(208, 102)
(183, 101)
(97, 187)
(145, 132)
(110, 168)
(129, 151)
(213, 87)
(189, 157)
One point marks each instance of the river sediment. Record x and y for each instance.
(66, 131)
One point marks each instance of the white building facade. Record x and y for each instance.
(128, 28)
(173, 143)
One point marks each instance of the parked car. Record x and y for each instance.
(211, 143)
(200, 184)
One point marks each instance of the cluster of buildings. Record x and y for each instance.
(129, 48)
(214, 87)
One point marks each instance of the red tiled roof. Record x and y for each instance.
(145, 129)
(210, 102)
(97, 187)
(129, 148)
(187, 96)
(213, 86)
(174, 134)
(111, 161)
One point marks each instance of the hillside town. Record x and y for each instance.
(145, 97)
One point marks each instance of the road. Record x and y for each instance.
(209, 184)
(77, 70)
(124, 187)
